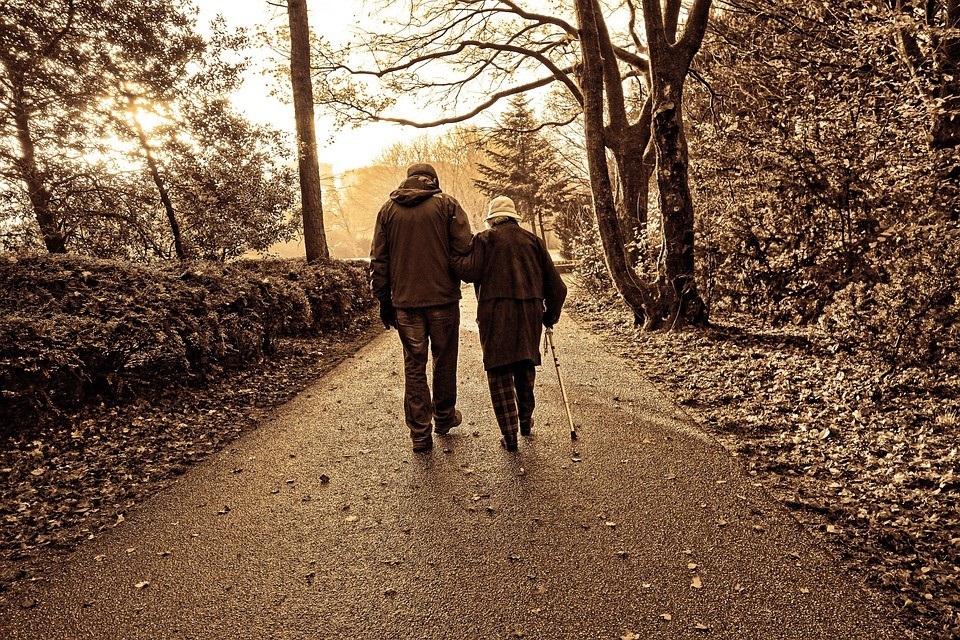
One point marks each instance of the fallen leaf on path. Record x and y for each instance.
(630, 635)
(666, 616)
(696, 583)
(142, 585)
(225, 510)
(692, 565)
(701, 627)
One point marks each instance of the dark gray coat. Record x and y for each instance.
(518, 291)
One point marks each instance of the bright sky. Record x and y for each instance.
(352, 147)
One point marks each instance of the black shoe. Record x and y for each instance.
(526, 427)
(422, 446)
(509, 442)
(444, 428)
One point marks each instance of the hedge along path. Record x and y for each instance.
(323, 523)
(75, 331)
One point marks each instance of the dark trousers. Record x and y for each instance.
(511, 390)
(424, 331)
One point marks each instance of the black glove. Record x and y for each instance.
(388, 314)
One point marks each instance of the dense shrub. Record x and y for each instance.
(580, 241)
(78, 330)
(910, 318)
(816, 149)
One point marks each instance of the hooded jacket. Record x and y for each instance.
(416, 230)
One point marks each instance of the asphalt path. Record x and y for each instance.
(322, 523)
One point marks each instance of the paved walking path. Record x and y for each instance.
(652, 531)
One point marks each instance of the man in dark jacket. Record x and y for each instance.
(518, 291)
(419, 294)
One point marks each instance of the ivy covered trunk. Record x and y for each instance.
(676, 280)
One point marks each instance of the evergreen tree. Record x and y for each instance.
(524, 166)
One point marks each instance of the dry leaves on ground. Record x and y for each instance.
(873, 474)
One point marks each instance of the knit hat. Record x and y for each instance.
(502, 206)
(423, 169)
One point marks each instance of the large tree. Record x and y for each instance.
(492, 49)
(314, 236)
(519, 162)
(55, 72)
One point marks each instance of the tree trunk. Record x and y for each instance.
(36, 188)
(314, 236)
(634, 171)
(676, 269)
(640, 299)
(543, 230)
(946, 121)
(162, 189)
(669, 63)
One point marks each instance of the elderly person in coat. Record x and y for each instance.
(518, 291)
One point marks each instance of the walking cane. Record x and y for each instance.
(548, 337)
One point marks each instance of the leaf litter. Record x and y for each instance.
(870, 471)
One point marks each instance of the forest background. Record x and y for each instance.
(804, 174)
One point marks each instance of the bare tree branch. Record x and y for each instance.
(493, 99)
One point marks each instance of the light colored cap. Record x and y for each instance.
(502, 206)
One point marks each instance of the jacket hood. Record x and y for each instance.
(415, 190)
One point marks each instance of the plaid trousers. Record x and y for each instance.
(511, 391)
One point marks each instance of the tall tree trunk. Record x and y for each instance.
(676, 206)
(37, 189)
(669, 63)
(314, 236)
(946, 122)
(162, 189)
(641, 300)
(634, 170)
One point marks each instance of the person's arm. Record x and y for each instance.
(460, 235)
(554, 289)
(380, 272)
(466, 259)
(469, 266)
